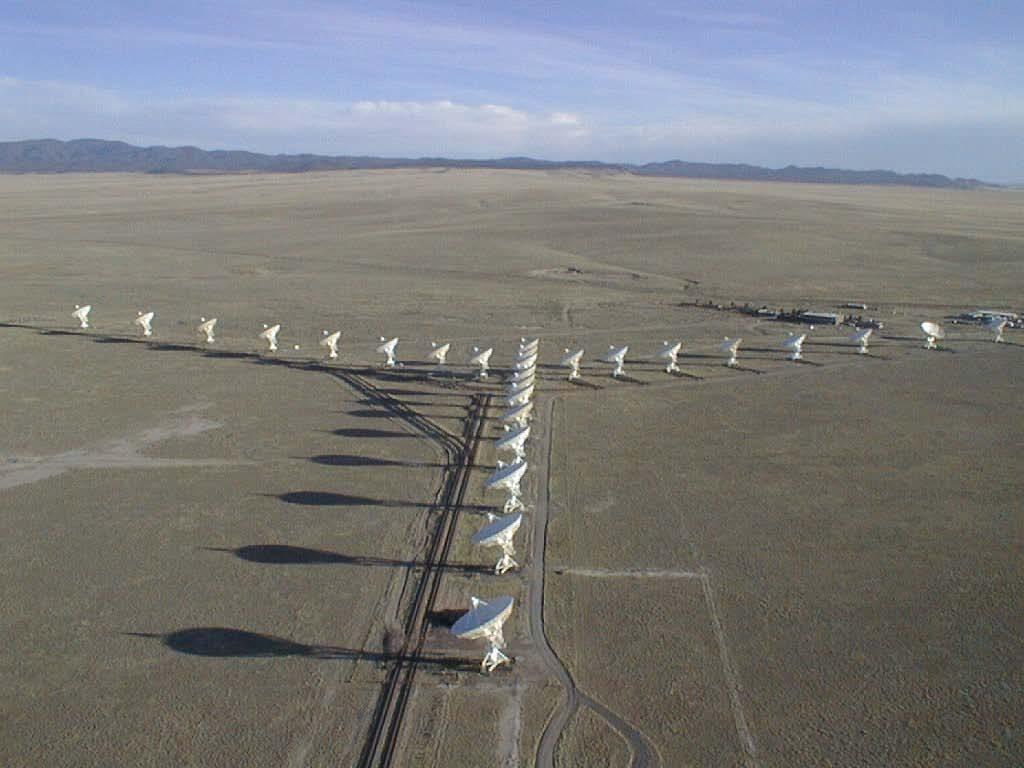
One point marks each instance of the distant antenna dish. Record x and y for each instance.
(932, 331)
(670, 352)
(269, 335)
(482, 358)
(525, 363)
(794, 345)
(528, 346)
(616, 355)
(388, 350)
(995, 324)
(499, 532)
(330, 342)
(439, 352)
(145, 321)
(861, 338)
(508, 478)
(731, 347)
(514, 440)
(524, 378)
(81, 314)
(520, 396)
(526, 375)
(572, 362)
(519, 414)
(484, 621)
(205, 328)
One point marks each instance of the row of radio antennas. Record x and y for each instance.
(485, 619)
(669, 352)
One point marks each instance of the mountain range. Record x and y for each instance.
(97, 155)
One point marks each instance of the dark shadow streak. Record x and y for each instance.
(373, 433)
(285, 554)
(352, 460)
(331, 499)
(227, 643)
(585, 384)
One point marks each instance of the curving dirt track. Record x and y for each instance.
(643, 754)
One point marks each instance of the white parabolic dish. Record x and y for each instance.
(730, 345)
(670, 351)
(571, 358)
(794, 342)
(498, 529)
(862, 335)
(483, 356)
(615, 354)
(440, 352)
(522, 382)
(506, 477)
(933, 329)
(519, 412)
(388, 346)
(484, 619)
(509, 439)
(520, 396)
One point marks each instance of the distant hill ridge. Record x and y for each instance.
(97, 155)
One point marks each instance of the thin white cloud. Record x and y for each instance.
(270, 124)
(704, 123)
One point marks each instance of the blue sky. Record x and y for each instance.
(913, 86)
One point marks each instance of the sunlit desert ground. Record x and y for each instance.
(204, 552)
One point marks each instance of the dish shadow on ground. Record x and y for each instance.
(286, 554)
(229, 643)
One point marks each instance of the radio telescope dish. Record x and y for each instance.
(521, 396)
(81, 314)
(484, 621)
(330, 341)
(439, 352)
(572, 362)
(528, 346)
(995, 324)
(932, 331)
(507, 477)
(205, 328)
(513, 440)
(388, 350)
(670, 352)
(616, 355)
(861, 339)
(522, 382)
(482, 357)
(269, 335)
(794, 345)
(524, 375)
(525, 363)
(518, 415)
(145, 321)
(731, 347)
(499, 532)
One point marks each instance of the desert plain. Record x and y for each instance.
(205, 551)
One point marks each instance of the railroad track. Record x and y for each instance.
(383, 740)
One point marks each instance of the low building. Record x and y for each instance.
(821, 318)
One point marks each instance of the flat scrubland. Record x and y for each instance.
(204, 554)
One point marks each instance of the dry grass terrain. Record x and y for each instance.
(202, 552)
